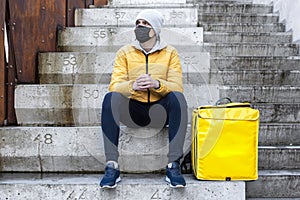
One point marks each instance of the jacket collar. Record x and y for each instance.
(160, 44)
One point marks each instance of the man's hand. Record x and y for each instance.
(144, 82)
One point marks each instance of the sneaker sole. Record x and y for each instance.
(173, 186)
(113, 186)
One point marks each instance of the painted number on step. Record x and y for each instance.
(88, 93)
(47, 138)
(70, 60)
(177, 15)
(103, 33)
(161, 194)
(119, 15)
(100, 34)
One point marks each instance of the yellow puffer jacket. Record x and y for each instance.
(163, 65)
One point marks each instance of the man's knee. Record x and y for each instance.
(177, 98)
(110, 98)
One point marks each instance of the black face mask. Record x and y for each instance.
(142, 33)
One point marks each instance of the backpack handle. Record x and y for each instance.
(223, 100)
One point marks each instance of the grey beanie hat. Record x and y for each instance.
(153, 17)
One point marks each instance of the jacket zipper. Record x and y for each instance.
(147, 72)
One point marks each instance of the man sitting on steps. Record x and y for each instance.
(146, 89)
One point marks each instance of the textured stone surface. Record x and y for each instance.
(81, 104)
(239, 18)
(98, 39)
(275, 184)
(251, 63)
(177, 17)
(132, 187)
(244, 27)
(279, 113)
(75, 149)
(279, 134)
(80, 149)
(250, 49)
(279, 158)
(262, 94)
(271, 38)
(94, 68)
(268, 78)
(121, 2)
(223, 7)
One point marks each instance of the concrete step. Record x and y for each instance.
(238, 18)
(273, 198)
(71, 39)
(133, 187)
(94, 68)
(80, 149)
(270, 134)
(279, 158)
(242, 37)
(147, 2)
(220, 49)
(255, 77)
(279, 134)
(278, 113)
(177, 17)
(243, 27)
(219, 1)
(76, 67)
(262, 94)
(239, 7)
(207, 7)
(158, 5)
(249, 63)
(91, 68)
(275, 184)
(81, 104)
(96, 39)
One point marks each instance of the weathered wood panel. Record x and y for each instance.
(2, 64)
(72, 5)
(99, 3)
(33, 29)
(11, 83)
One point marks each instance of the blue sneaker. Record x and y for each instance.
(111, 176)
(174, 176)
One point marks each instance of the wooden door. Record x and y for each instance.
(32, 28)
(2, 65)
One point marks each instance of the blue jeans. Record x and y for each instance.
(170, 110)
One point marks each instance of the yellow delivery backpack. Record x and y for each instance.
(225, 142)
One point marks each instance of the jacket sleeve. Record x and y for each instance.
(173, 81)
(120, 80)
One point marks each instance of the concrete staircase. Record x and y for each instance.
(254, 58)
(239, 50)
